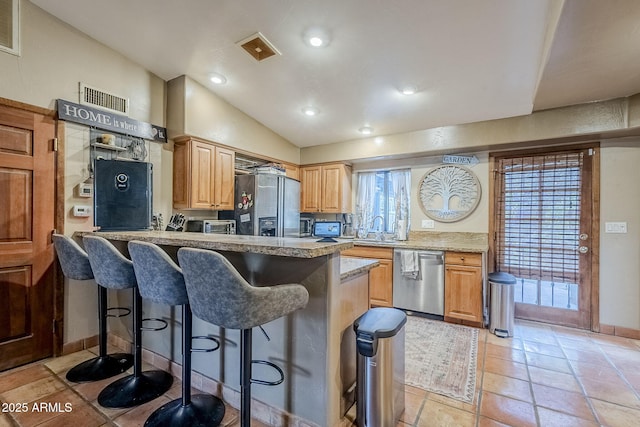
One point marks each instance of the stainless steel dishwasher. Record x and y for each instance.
(418, 281)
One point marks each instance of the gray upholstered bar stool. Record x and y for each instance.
(160, 281)
(114, 271)
(75, 265)
(218, 294)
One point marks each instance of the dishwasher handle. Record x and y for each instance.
(423, 254)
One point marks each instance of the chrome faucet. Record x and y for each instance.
(379, 235)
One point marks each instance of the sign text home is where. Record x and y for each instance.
(105, 120)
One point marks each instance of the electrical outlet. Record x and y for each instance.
(428, 223)
(615, 227)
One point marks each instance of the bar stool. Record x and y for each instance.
(160, 280)
(218, 294)
(75, 265)
(112, 270)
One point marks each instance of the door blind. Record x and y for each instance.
(538, 216)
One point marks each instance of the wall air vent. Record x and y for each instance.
(258, 47)
(104, 100)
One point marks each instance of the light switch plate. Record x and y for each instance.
(428, 223)
(615, 227)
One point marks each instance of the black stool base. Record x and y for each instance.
(134, 390)
(204, 410)
(100, 368)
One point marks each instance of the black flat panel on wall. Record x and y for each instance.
(123, 194)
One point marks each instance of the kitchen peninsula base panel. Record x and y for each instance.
(305, 344)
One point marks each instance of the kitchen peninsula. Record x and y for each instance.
(309, 345)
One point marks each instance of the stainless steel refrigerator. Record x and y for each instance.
(267, 205)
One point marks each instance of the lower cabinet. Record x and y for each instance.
(380, 277)
(463, 288)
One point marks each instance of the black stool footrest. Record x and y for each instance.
(154, 319)
(203, 410)
(100, 368)
(206, 350)
(272, 365)
(132, 390)
(125, 311)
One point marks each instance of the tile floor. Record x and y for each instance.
(544, 376)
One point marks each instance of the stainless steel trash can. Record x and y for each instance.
(502, 305)
(380, 367)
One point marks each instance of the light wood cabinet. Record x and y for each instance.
(292, 171)
(463, 287)
(325, 188)
(380, 277)
(203, 175)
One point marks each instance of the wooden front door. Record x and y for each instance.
(546, 232)
(27, 214)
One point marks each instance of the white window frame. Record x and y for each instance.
(15, 36)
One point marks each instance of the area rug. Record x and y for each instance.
(441, 357)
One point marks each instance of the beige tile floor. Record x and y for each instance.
(543, 376)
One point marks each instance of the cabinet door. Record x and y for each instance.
(292, 171)
(202, 164)
(310, 184)
(181, 174)
(463, 292)
(224, 179)
(381, 284)
(331, 196)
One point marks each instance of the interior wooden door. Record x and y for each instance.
(27, 215)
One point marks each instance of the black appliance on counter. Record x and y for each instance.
(123, 195)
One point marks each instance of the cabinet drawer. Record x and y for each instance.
(369, 252)
(463, 258)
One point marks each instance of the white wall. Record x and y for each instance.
(620, 253)
(476, 222)
(196, 111)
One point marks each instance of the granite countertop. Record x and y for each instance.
(351, 267)
(442, 241)
(280, 246)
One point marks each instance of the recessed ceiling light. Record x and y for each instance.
(366, 130)
(408, 90)
(310, 111)
(316, 41)
(218, 79)
(316, 37)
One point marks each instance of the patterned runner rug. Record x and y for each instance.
(441, 357)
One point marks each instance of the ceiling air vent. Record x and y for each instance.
(258, 47)
(101, 99)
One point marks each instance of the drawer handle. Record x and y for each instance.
(461, 258)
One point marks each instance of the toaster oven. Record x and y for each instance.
(212, 226)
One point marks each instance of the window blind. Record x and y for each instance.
(7, 22)
(538, 216)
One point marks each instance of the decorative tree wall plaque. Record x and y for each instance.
(449, 193)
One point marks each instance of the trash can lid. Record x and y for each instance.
(380, 322)
(502, 278)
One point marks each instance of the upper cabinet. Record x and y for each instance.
(203, 175)
(325, 188)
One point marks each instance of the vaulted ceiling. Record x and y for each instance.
(468, 60)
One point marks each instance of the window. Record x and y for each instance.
(382, 200)
(9, 30)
